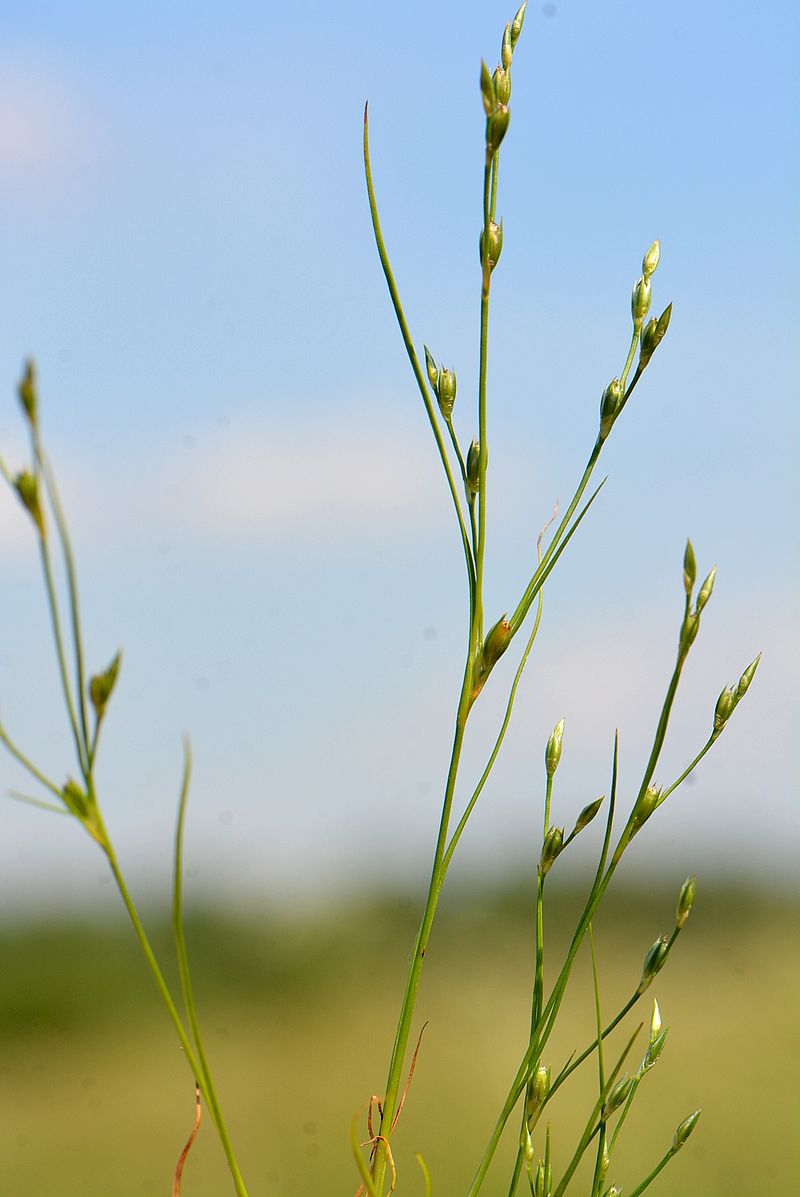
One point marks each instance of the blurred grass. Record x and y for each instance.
(299, 1015)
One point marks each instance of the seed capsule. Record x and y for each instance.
(704, 593)
(650, 260)
(609, 406)
(487, 89)
(724, 708)
(432, 371)
(552, 753)
(27, 392)
(27, 488)
(684, 1130)
(516, 25)
(746, 678)
(447, 392)
(640, 300)
(102, 685)
(587, 814)
(492, 243)
(507, 49)
(553, 843)
(653, 962)
(619, 1094)
(497, 126)
(685, 901)
(645, 806)
(473, 476)
(689, 568)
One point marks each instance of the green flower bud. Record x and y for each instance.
(433, 372)
(663, 323)
(724, 708)
(704, 593)
(640, 300)
(487, 89)
(746, 678)
(507, 49)
(653, 962)
(689, 568)
(27, 392)
(28, 490)
(473, 456)
(655, 1020)
(685, 901)
(496, 127)
(586, 815)
(552, 753)
(539, 1183)
(539, 1089)
(684, 1130)
(689, 630)
(618, 1095)
(102, 685)
(609, 406)
(75, 799)
(645, 807)
(502, 85)
(526, 1143)
(553, 843)
(650, 260)
(497, 641)
(491, 243)
(447, 391)
(654, 1049)
(648, 344)
(516, 25)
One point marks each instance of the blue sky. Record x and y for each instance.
(255, 502)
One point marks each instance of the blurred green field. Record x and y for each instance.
(95, 1098)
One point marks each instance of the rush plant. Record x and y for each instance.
(531, 1090)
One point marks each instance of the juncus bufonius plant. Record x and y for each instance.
(87, 698)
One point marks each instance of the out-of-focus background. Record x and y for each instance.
(260, 522)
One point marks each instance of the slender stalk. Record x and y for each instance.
(72, 588)
(412, 356)
(483, 455)
(423, 935)
(451, 847)
(55, 621)
(597, 1179)
(185, 973)
(692, 765)
(19, 755)
(166, 997)
(648, 1180)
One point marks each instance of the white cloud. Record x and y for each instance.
(46, 130)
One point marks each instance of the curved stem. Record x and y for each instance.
(164, 992)
(412, 356)
(186, 979)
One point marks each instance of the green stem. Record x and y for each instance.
(456, 836)
(711, 740)
(72, 589)
(163, 989)
(438, 871)
(186, 980)
(483, 458)
(648, 1180)
(412, 356)
(599, 1172)
(29, 765)
(55, 620)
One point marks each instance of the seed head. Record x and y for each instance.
(102, 685)
(487, 89)
(447, 391)
(650, 260)
(640, 300)
(684, 1130)
(654, 960)
(473, 476)
(27, 392)
(552, 753)
(619, 1094)
(704, 593)
(724, 708)
(685, 901)
(490, 243)
(496, 127)
(746, 678)
(502, 85)
(553, 843)
(507, 50)
(689, 568)
(609, 406)
(516, 25)
(587, 814)
(28, 490)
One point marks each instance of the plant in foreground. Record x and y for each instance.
(86, 700)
